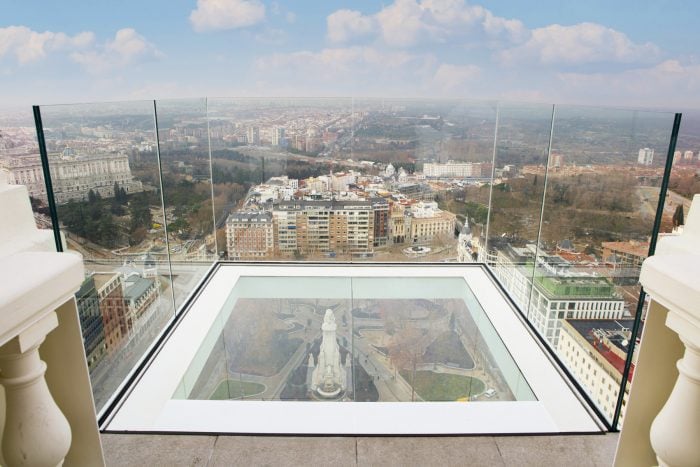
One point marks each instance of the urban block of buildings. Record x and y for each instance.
(549, 289)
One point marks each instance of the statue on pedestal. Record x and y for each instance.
(328, 377)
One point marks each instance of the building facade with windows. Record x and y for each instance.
(91, 322)
(249, 236)
(549, 289)
(309, 227)
(595, 351)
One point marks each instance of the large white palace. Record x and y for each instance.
(72, 175)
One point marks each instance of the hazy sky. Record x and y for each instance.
(629, 53)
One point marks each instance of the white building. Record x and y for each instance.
(553, 291)
(278, 136)
(389, 171)
(424, 222)
(25, 170)
(595, 351)
(342, 180)
(318, 184)
(646, 156)
(403, 175)
(688, 156)
(73, 175)
(253, 136)
(452, 169)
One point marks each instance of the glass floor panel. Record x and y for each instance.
(351, 350)
(353, 339)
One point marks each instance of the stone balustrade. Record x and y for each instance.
(45, 393)
(668, 409)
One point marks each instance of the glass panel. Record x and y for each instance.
(353, 339)
(430, 157)
(268, 343)
(517, 194)
(603, 182)
(344, 179)
(104, 170)
(428, 339)
(183, 141)
(684, 182)
(20, 161)
(282, 177)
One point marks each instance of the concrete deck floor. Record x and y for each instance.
(188, 450)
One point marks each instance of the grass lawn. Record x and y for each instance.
(443, 386)
(232, 389)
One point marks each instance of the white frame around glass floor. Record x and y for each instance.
(150, 406)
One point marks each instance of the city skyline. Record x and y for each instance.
(586, 54)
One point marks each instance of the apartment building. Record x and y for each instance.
(595, 351)
(115, 313)
(249, 236)
(626, 254)
(324, 226)
(425, 222)
(91, 322)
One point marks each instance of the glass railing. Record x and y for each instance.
(558, 201)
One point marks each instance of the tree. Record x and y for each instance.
(116, 208)
(678, 218)
(406, 352)
(92, 197)
(140, 212)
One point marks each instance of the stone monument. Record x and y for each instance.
(328, 377)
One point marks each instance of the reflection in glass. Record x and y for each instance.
(105, 174)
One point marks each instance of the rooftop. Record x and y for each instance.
(634, 248)
(559, 287)
(609, 338)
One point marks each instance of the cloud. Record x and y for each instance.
(277, 10)
(213, 15)
(29, 46)
(668, 84)
(355, 70)
(452, 77)
(127, 47)
(271, 36)
(344, 25)
(417, 23)
(331, 60)
(406, 23)
(579, 44)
